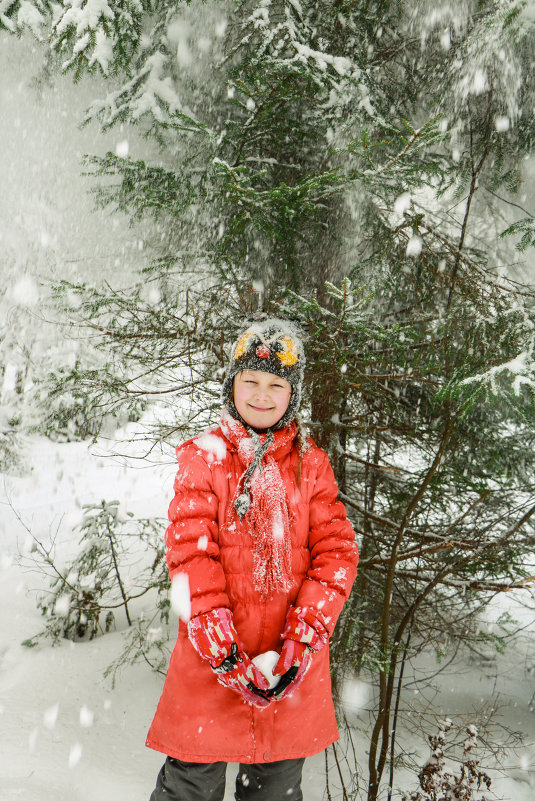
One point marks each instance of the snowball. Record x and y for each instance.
(50, 716)
(355, 695)
(220, 28)
(180, 597)
(445, 39)
(414, 246)
(184, 56)
(479, 82)
(178, 30)
(265, 663)
(402, 203)
(75, 755)
(86, 717)
(502, 124)
(122, 148)
(154, 296)
(204, 44)
(25, 292)
(213, 445)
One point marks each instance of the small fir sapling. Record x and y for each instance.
(9, 450)
(85, 593)
(67, 410)
(437, 783)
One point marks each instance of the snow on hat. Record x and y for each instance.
(272, 345)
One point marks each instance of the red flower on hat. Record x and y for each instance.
(263, 352)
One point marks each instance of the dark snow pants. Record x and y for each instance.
(199, 781)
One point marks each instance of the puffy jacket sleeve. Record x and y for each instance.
(192, 535)
(333, 550)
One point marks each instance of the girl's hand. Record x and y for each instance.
(214, 637)
(293, 663)
(303, 634)
(239, 673)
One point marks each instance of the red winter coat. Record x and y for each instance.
(198, 719)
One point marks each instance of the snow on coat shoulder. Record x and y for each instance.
(214, 446)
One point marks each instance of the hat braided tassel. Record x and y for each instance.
(242, 504)
(243, 501)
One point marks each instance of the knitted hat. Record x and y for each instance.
(274, 346)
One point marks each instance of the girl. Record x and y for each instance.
(270, 557)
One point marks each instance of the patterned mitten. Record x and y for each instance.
(216, 640)
(293, 663)
(303, 633)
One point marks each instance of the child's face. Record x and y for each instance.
(261, 398)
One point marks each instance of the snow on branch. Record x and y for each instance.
(489, 60)
(5, 6)
(150, 88)
(289, 38)
(89, 27)
(522, 367)
(33, 16)
(438, 782)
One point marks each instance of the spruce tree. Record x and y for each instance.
(354, 165)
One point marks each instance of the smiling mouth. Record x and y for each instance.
(261, 409)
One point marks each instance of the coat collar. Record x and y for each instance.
(240, 438)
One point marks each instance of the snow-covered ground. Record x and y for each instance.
(49, 696)
(67, 735)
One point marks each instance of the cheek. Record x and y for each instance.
(283, 401)
(236, 395)
(240, 394)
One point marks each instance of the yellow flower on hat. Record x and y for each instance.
(289, 356)
(241, 345)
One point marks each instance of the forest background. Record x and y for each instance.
(362, 167)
